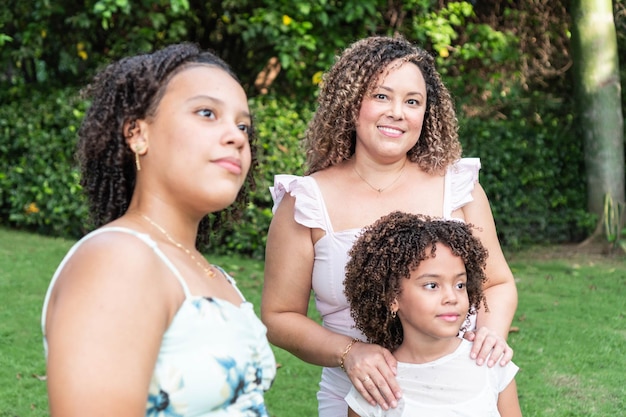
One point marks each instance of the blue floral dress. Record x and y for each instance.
(214, 360)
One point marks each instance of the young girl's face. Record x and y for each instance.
(433, 302)
(198, 149)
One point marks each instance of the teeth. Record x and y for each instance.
(390, 130)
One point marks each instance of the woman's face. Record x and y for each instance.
(392, 113)
(198, 149)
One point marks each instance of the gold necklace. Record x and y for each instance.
(207, 270)
(380, 190)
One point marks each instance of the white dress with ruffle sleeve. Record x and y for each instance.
(331, 256)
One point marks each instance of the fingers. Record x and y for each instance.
(376, 391)
(392, 362)
(489, 347)
(371, 370)
(507, 356)
(469, 335)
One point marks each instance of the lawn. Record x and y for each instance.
(570, 341)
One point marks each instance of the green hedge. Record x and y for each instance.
(39, 188)
(532, 160)
(280, 126)
(533, 172)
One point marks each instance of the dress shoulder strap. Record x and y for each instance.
(141, 236)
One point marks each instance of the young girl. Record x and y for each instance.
(412, 282)
(136, 321)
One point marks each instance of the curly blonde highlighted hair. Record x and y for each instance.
(387, 252)
(331, 135)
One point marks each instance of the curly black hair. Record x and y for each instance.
(331, 134)
(125, 91)
(387, 251)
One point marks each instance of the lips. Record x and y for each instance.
(232, 165)
(449, 317)
(390, 131)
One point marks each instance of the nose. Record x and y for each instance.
(395, 109)
(450, 295)
(234, 135)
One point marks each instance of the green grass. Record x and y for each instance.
(571, 346)
(571, 343)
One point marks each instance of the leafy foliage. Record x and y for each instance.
(38, 180)
(505, 63)
(280, 130)
(531, 172)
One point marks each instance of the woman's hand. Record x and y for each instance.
(487, 342)
(372, 370)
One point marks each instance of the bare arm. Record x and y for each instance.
(508, 402)
(104, 327)
(286, 291)
(500, 289)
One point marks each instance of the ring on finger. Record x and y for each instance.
(367, 378)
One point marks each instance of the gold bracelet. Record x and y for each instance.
(345, 353)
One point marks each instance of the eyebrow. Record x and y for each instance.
(410, 93)
(218, 102)
(427, 276)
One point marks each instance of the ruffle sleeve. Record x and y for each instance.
(462, 175)
(309, 208)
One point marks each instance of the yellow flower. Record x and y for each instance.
(32, 208)
(443, 52)
(80, 50)
(317, 77)
(287, 20)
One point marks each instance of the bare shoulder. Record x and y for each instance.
(334, 179)
(112, 266)
(107, 314)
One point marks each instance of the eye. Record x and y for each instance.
(461, 285)
(380, 96)
(413, 102)
(206, 113)
(245, 128)
(430, 285)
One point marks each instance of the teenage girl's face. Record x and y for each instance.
(391, 115)
(198, 149)
(433, 302)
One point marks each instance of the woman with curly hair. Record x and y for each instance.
(136, 321)
(424, 278)
(384, 138)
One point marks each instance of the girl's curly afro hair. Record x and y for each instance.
(387, 252)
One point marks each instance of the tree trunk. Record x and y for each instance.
(598, 94)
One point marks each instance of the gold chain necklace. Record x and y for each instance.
(207, 270)
(380, 190)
